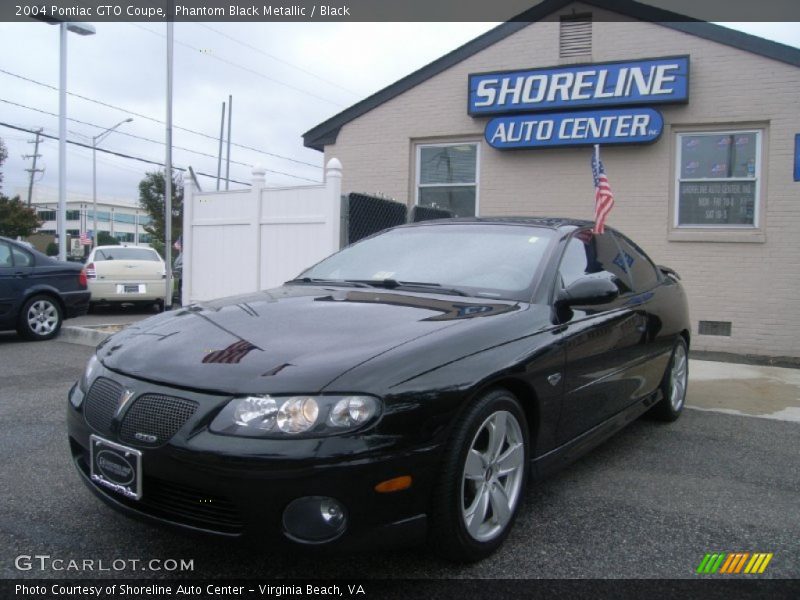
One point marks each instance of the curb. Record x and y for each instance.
(82, 335)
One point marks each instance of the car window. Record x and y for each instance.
(643, 271)
(21, 258)
(591, 254)
(5, 255)
(490, 260)
(123, 253)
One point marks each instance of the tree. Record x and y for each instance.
(151, 199)
(16, 219)
(106, 239)
(3, 157)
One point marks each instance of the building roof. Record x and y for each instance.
(326, 132)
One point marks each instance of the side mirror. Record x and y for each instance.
(588, 290)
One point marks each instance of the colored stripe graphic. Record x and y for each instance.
(730, 563)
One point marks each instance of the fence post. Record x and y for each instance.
(259, 183)
(187, 247)
(333, 183)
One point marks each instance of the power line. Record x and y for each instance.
(139, 137)
(120, 154)
(276, 58)
(154, 120)
(243, 68)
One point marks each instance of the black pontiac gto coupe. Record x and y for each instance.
(407, 386)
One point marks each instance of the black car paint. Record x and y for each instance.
(46, 275)
(580, 373)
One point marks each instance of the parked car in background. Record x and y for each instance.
(126, 274)
(408, 385)
(38, 292)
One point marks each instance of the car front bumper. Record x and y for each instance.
(240, 487)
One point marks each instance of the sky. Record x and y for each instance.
(285, 78)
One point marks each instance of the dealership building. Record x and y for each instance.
(698, 128)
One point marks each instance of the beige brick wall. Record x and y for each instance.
(754, 285)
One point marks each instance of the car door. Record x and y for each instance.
(647, 298)
(13, 281)
(602, 342)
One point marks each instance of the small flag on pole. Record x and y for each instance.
(177, 244)
(86, 238)
(603, 197)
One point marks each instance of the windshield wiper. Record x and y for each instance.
(391, 284)
(343, 282)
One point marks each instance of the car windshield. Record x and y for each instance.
(477, 259)
(126, 254)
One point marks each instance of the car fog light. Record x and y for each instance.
(314, 519)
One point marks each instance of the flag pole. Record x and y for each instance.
(597, 162)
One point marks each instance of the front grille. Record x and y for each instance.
(176, 502)
(190, 506)
(101, 403)
(153, 419)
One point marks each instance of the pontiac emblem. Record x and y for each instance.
(124, 398)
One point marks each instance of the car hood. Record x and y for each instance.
(293, 339)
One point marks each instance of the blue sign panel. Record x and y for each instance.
(613, 126)
(797, 157)
(652, 81)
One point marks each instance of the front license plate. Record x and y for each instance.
(116, 467)
(136, 288)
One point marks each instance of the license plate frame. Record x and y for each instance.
(116, 467)
(131, 288)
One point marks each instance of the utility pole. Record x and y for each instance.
(221, 134)
(228, 159)
(33, 170)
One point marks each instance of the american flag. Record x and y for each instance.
(86, 238)
(603, 197)
(233, 354)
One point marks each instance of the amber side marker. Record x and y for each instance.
(394, 485)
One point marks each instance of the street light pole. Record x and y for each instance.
(96, 140)
(61, 214)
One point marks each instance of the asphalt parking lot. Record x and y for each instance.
(649, 503)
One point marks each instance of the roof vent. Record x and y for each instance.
(575, 35)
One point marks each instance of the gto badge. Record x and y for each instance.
(145, 437)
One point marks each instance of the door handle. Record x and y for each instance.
(20, 274)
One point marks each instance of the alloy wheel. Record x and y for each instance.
(492, 476)
(42, 317)
(679, 375)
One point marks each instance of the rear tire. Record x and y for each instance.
(673, 386)
(40, 319)
(482, 480)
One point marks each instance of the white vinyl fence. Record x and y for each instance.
(243, 241)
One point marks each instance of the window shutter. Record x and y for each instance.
(575, 36)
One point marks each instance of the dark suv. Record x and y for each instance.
(38, 292)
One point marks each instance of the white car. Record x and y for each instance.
(126, 274)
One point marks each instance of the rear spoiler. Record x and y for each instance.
(667, 271)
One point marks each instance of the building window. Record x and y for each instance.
(717, 179)
(447, 177)
(73, 215)
(123, 236)
(575, 36)
(47, 215)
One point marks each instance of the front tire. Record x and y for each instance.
(483, 479)
(674, 384)
(40, 318)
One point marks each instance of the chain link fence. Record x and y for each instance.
(364, 215)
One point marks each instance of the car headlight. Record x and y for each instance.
(89, 373)
(307, 416)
